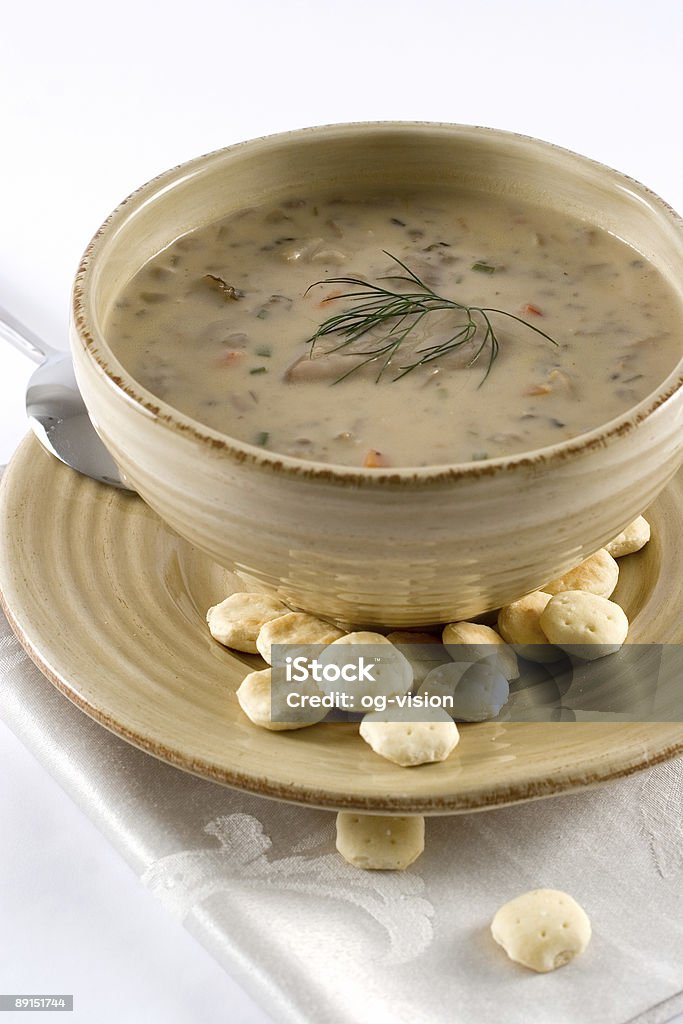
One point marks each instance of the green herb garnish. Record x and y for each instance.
(259, 369)
(484, 268)
(265, 352)
(400, 313)
(262, 439)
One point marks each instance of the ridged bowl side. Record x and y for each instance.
(392, 555)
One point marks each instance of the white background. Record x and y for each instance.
(94, 100)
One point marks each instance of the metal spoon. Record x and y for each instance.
(55, 408)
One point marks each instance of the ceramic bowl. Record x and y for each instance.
(380, 547)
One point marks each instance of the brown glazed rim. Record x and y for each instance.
(94, 343)
(309, 795)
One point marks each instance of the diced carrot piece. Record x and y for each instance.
(230, 357)
(374, 460)
(539, 389)
(531, 310)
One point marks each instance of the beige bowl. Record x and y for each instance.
(377, 547)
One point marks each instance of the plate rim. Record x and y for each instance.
(587, 774)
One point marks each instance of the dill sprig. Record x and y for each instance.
(400, 313)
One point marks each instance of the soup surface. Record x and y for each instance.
(219, 325)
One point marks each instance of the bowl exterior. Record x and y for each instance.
(403, 552)
(378, 547)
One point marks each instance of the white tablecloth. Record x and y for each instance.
(97, 98)
(315, 940)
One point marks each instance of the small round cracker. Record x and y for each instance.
(378, 842)
(477, 692)
(634, 537)
(237, 621)
(295, 628)
(543, 929)
(597, 574)
(391, 672)
(519, 625)
(586, 625)
(397, 735)
(472, 641)
(423, 650)
(256, 700)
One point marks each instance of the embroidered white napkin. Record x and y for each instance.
(315, 940)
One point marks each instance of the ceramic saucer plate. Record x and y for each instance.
(111, 605)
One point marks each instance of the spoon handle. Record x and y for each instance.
(23, 338)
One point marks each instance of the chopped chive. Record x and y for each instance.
(479, 456)
(262, 439)
(264, 351)
(262, 314)
(259, 369)
(485, 268)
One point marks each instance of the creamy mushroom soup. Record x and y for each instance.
(219, 325)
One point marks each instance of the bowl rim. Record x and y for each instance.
(93, 342)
